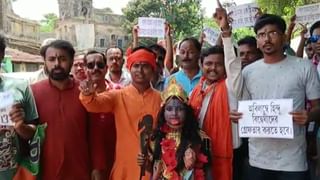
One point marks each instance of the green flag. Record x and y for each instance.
(29, 167)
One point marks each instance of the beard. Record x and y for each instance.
(58, 76)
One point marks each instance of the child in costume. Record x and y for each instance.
(178, 148)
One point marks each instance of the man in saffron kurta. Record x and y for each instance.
(129, 105)
(212, 98)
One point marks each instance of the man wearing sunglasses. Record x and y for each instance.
(102, 132)
(315, 43)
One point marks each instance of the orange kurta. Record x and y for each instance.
(129, 107)
(217, 125)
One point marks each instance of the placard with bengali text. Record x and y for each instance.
(266, 118)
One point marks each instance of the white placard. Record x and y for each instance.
(211, 35)
(243, 15)
(308, 13)
(151, 27)
(266, 118)
(7, 100)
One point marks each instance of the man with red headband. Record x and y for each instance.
(133, 106)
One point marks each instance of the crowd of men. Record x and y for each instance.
(92, 104)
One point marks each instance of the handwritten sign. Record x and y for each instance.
(7, 101)
(266, 118)
(243, 15)
(211, 35)
(151, 27)
(308, 13)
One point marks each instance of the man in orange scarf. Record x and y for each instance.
(132, 105)
(213, 96)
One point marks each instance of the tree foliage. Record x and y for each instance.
(184, 16)
(48, 23)
(284, 8)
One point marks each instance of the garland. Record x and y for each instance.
(169, 146)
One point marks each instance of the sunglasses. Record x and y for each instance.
(314, 38)
(99, 65)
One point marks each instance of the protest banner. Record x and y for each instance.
(308, 13)
(211, 35)
(243, 15)
(6, 99)
(151, 27)
(266, 118)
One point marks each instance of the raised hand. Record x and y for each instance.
(221, 18)
(88, 87)
(304, 30)
(259, 12)
(167, 29)
(135, 30)
(293, 19)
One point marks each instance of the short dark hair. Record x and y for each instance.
(209, 51)
(248, 40)
(2, 43)
(194, 41)
(159, 49)
(271, 19)
(314, 26)
(114, 47)
(59, 44)
(94, 52)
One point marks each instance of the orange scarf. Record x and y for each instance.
(217, 125)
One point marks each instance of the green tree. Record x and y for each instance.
(284, 8)
(184, 16)
(48, 23)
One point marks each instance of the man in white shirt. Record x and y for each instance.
(278, 76)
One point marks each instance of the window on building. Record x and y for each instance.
(105, 18)
(32, 67)
(17, 67)
(102, 42)
(75, 10)
(126, 38)
(119, 43)
(113, 37)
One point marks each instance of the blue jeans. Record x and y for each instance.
(263, 174)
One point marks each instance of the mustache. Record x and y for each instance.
(96, 71)
(58, 68)
(268, 44)
(186, 59)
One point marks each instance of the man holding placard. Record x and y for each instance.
(17, 114)
(274, 78)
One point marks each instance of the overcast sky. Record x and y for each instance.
(27, 8)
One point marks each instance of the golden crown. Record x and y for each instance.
(174, 89)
